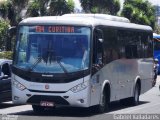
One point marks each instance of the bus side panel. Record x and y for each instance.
(107, 73)
(122, 75)
(145, 69)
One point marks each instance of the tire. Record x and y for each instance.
(135, 99)
(104, 103)
(153, 83)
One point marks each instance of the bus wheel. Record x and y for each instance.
(103, 106)
(135, 99)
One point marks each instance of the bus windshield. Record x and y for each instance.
(53, 49)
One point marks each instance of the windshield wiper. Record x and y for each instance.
(63, 68)
(35, 64)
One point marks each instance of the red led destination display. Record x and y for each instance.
(55, 29)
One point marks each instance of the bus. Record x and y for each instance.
(156, 39)
(83, 60)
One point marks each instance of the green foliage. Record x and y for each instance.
(140, 12)
(50, 7)
(18, 5)
(94, 9)
(4, 9)
(103, 6)
(70, 6)
(4, 25)
(33, 9)
(37, 8)
(60, 7)
(6, 54)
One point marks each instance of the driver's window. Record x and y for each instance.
(98, 47)
(98, 50)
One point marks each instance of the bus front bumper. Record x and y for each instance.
(69, 98)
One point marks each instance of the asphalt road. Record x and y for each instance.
(148, 109)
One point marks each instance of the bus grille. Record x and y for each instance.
(36, 99)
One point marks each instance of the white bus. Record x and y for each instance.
(81, 61)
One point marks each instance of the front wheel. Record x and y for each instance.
(135, 99)
(103, 106)
(153, 83)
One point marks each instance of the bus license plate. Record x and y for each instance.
(46, 104)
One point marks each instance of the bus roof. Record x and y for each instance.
(156, 35)
(100, 16)
(82, 20)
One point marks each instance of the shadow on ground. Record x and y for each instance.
(75, 112)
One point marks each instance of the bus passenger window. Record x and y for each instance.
(131, 51)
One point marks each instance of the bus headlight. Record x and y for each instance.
(79, 87)
(18, 85)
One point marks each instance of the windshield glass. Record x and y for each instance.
(53, 49)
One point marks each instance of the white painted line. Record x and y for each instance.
(16, 109)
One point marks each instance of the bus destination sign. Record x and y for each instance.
(55, 29)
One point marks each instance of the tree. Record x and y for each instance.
(4, 25)
(101, 6)
(7, 11)
(15, 10)
(11, 12)
(37, 8)
(50, 7)
(60, 7)
(139, 11)
(4, 9)
(33, 9)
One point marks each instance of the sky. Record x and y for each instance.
(77, 4)
(155, 2)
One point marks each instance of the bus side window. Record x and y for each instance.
(97, 50)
